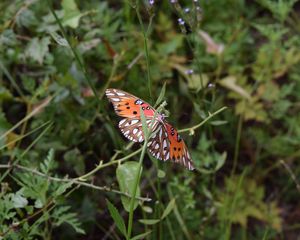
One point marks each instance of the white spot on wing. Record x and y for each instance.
(157, 146)
(134, 131)
(164, 143)
(134, 121)
(120, 94)
(116, 99)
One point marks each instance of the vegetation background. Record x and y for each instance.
(67, 171)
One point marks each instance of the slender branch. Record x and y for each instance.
(237, 144)
(30, 115)
(26, 150)
(74, 181)
(101, 165)
(116, 61)
(289, 170)
(211, 115)
(23, 136)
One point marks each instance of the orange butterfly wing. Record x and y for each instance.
(127, 105)
(178, 150)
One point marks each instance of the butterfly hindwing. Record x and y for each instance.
(158, 143)
(132, 128)
(178, 150)
(127, 105)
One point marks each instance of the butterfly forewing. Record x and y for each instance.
(127, 105)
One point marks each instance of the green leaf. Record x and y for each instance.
(169, 208)
(147, 209)
(18, 200)
(161, 173)
(47, 164)
(62, 188)
(221, 161)
(27, 18)
(141, 236)
(37, 49)
(62, 215)
(144, 123)
(126, 174)
(149, 221)
(230, 82)
(59, 39)
(114, 213)
(161, 95)
(195, 81)
(218, 122)
(71, 13)
(75, 160)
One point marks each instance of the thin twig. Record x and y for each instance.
(74, 181)
(100, 166)
(211, 115)
(287, 167)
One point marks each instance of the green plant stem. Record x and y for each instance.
(136, 182)
(211, 115)
(83, 69)
(145, 36)
(25, 135)
(198, 66)
(162, 207)
(178, 216)
(147, 134)
(237, 144)
(27, 117)
(26, 150)
(233, 204)
(11, 79)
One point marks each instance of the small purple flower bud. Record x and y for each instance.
(180, 21)
(151, 2)
(173, 1)
(211, 85)
(186, 10)
(189, 71)
(198, 8)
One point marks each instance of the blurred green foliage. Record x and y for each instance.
(62, 155)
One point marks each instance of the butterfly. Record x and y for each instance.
(164, 143)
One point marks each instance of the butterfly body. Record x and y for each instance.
(164, 143)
